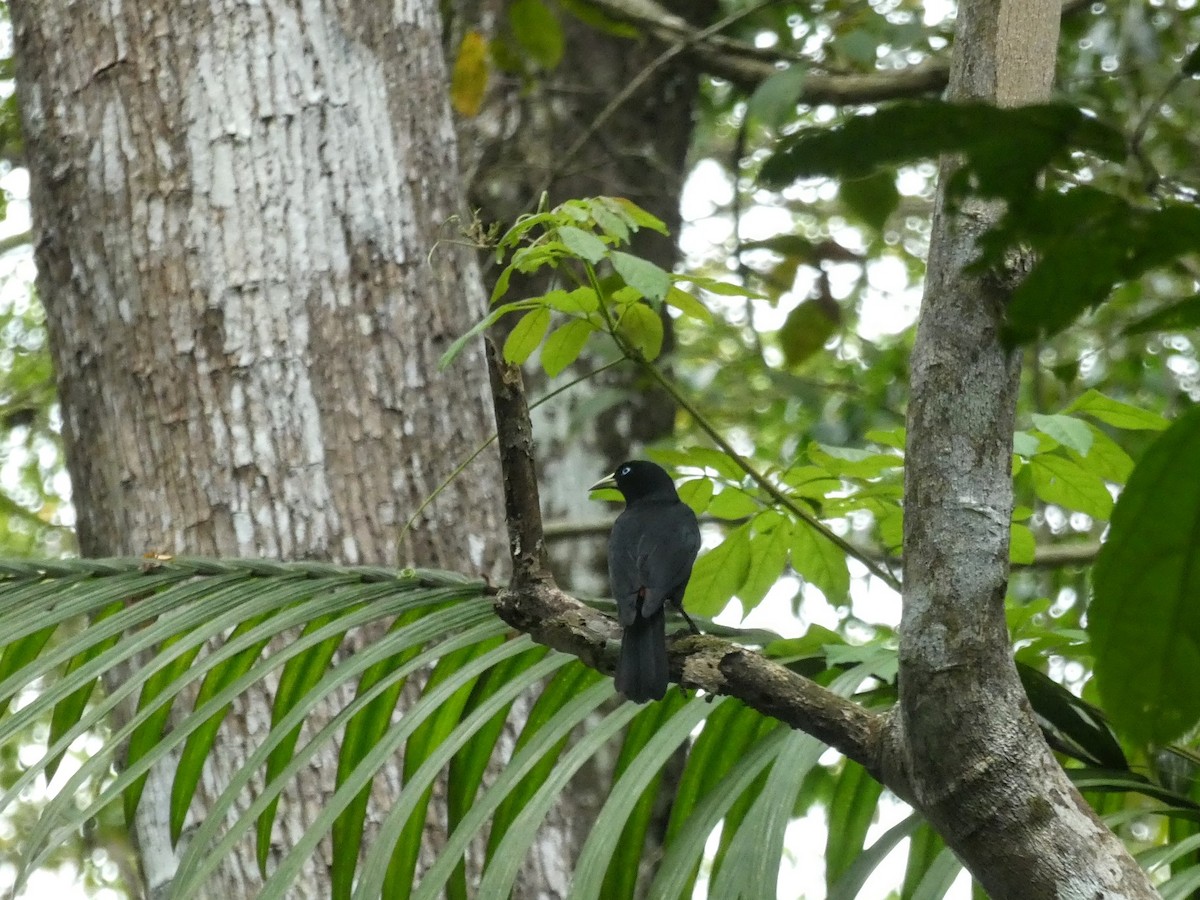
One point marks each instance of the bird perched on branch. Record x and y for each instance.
(651, 550)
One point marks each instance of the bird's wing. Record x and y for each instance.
(666, 553)
(623, 567)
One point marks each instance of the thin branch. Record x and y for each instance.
(714, 665)
(522, 505)
(533, 604)
(758, 478)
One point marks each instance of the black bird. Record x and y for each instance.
(651, 550)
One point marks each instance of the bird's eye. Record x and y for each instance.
(625, 470)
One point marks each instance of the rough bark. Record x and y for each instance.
(235, 206)
(976, 760)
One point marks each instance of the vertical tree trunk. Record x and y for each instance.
(235, 210)
(980, 769)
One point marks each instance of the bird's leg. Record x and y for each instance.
(688, 619)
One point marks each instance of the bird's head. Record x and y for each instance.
(638, 478)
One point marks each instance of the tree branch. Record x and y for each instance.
(747, 66)
(534, 604)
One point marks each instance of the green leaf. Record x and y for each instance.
(147, 735)
(1021, 545)
(1191, 62)
(579, 302)
(853, 462)
(537, 31)
(768, 557)
(1067, 430)
(1087, 242)
(1144, 620)
(719, 573)
(299, 675)
(1062, 481)
(773, 102)
(644, 276)
(881, 661)
(807, 328)
(733, 503)
(1105, 458)
(1025, 444)
(700, 457)
(872, 199)
(636, 214)
(200, 742)
(583, 244)
(491, 319)
(1019, 141)
(526, 335)
(564, 345)
(851, 811)
(643, 329)
(697, 493)
(687, 304)
(68, 711)
(820, 563)
(723, 288)
(1116, 413)
(608, 221)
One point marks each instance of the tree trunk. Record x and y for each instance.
(237, 207)
(978, 765)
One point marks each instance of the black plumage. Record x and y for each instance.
(651, 550)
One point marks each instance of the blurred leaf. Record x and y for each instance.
(590, 15)
(1181, 316)
(1087, 242)
(1006, 148)
(852, 809)
(1115, 413)
(807, 328)
(537, 30)
(733, 503)
(687, 304)
(853, 462)
(872, 198)
(468, 82)
(773, 102)
(882, 662)
(1022, 547)
(1144, 619)
(579, 302)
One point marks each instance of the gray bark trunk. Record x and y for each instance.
(235, 207)
(978, 765)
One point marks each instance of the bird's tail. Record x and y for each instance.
(642, 666)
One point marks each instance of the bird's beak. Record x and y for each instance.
(608, 483)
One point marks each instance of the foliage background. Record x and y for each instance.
(808, 376)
